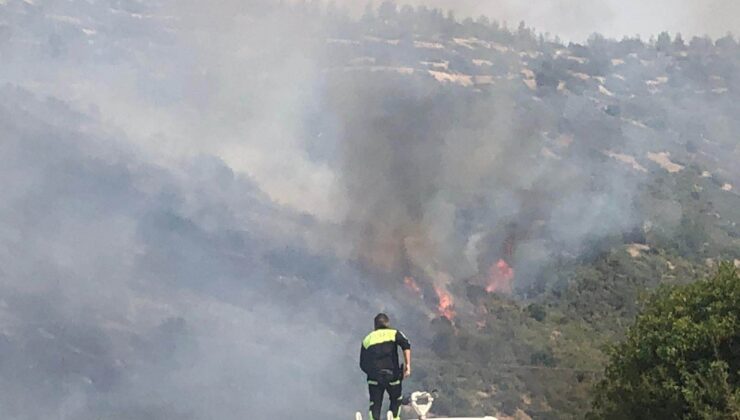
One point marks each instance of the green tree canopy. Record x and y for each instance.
(681, 358)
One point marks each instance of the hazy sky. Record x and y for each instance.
(576, 19)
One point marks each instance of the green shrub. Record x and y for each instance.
(681, 358)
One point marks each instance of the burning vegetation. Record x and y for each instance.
(500, 277)
(446, 306)
(411, 285)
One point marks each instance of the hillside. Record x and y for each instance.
(205, 208)
(652, 123)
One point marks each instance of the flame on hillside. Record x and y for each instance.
(411, 285)
(446, 307)
(500, 277)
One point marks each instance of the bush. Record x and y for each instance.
(537, 312)
(543, 358)
(681, 358)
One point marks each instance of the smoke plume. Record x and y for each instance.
(203, 208)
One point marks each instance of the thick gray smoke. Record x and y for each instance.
(159, 242)
(201, 213)
(437, 190)
(131, 290)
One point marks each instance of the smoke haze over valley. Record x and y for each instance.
(204, 205)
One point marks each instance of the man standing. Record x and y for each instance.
(379, 361)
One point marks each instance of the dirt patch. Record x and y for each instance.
(429, 45)
(531, 84)
(664, 160)
(605, 91)
(635, 250)
(483, 80)
(444, 65)
(460, 79)
(628, 159)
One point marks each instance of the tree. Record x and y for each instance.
(369, 15)
(727, 43)
(387, 11)
(681, 358)
(664, 43)
(678, 42)
(701, 45)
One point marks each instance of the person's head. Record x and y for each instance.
(382, 321)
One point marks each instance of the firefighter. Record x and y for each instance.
(379, 361)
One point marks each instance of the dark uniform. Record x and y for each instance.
(379, 360)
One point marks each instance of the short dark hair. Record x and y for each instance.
(382, 321)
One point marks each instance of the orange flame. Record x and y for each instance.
(500, 276)
(446, 307)
(411, 285)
